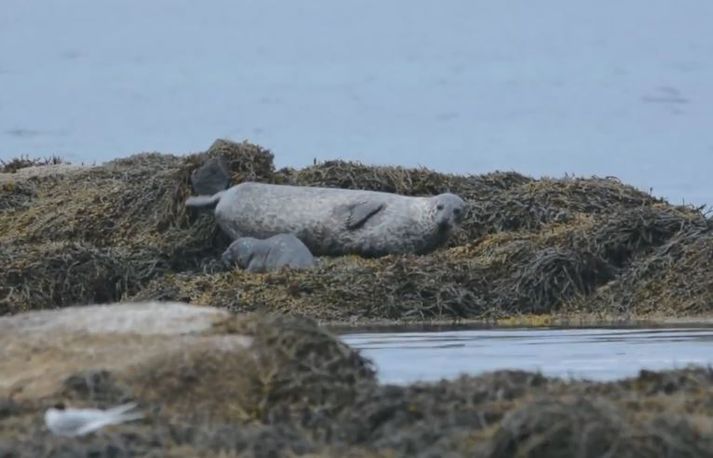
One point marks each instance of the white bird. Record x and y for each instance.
(78, 422)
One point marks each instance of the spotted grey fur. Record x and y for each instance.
(268, 255)
(336, 221)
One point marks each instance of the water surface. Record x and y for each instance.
(597, 354)
(468, 86)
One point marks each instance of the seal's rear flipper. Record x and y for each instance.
(204, 201)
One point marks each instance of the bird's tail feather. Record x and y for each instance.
(130, 416)
(115, 415)
(109, 420)
(118, 410)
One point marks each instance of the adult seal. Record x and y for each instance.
(336, 221)
(269, 255)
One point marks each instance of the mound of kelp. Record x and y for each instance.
(22, 162)
(675, 279)
(215, 384)
(548, 246)
(203, 377)
(97, 234)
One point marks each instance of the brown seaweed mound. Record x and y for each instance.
(293, 371)
(501, 414)
(99, 234)
(23, 162)
(205, 380)
(267, 386)
(550, 246)
(675, 279)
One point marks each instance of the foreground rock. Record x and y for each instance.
(194, 371)
(567, 248)
(215, 384)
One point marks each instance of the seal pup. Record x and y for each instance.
(271, 254)
(336, 221)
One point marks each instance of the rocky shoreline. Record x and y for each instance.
(231, 363)
(212, 383)
(568, 250)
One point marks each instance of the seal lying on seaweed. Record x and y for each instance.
(336, 221)
(274, 253)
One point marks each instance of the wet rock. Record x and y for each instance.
(212, 177)
(47, 351)
(562, 247)
(211, 382)
(184, 365)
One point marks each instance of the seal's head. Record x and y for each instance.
(448, 211)
(240, 252)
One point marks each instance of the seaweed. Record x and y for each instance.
(25, 161)
(298, 390)
(100, 233)
(527, 246)
(294, 371)
(673, 279)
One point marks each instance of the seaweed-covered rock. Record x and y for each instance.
(126, 216)
(568, 246)
(148, 346)
(15, 195)
(495, 276)
(24, 162)
(211, 177)
(211, 383)
(561, 427)
(59, 274)
(195, 371)
(674, 279)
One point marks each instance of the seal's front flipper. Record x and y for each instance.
(360, 212)
(204, 201)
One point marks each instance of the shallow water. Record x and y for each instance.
(597, 354)
(468, 86)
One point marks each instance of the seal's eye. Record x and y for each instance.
(456, 211)
(439, 207)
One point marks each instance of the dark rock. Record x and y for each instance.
(211, 177)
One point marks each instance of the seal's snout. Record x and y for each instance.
(227, 258)
(445, 225)
(458, 214)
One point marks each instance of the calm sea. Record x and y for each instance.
(596, 354)
(545, 88)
